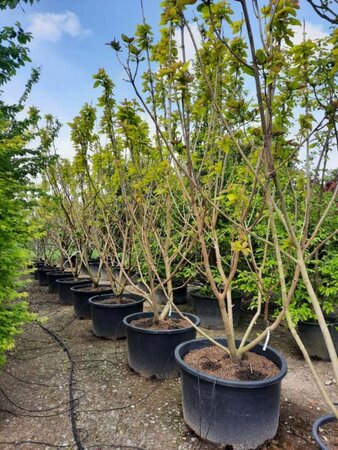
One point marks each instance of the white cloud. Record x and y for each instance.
(188, 42)
(312, 31)
(51, 26)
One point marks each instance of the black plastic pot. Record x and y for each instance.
(242, 414)
(37, 265)
(124, 280)
(311, 335)
(80, 300)
(53, 276)
(315, 430)
(64, 285)
(94, 267)
(40, 263)
(179, 295)
(151, 352)
(43, 274)
(107, 319)
(207, 309)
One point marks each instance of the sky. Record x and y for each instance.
(68, 44)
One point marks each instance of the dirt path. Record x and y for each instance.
(62, 385)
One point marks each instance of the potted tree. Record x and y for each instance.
(149, 196)
(111, 233)
(239, 170)
(146, 194)
(56, 233)
(71, 185)
(88, 200)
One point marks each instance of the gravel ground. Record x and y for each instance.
(112, 407)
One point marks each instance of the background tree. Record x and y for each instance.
(18, 163)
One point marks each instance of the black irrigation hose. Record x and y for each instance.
(22, 407)
(118, 446)
(33, 410)
(32, 383)
(32, 349)
(46, 444)
(7, 411)
(37, 416)
(30, 358)
(66, 325)
(130, 405)
(70, 386)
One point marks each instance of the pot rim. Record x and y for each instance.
(79, 288)
(176, 287)
(330, 321)
(230, 383)
(78, 280)
(195, 293)
(130, 317)
(47, 269)
(136, 301)
(315, 428)
(57, 273)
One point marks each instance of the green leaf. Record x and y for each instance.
(134, 50)
(261, 56)
(127, 39)
(248, 70)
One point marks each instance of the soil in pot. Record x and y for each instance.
(151, 351)
(115, 301)
(325, 432)
(81, 295)
(108, 312)
(239, 414)
(328, 434)
(165, 324)
(215, 362)
(97, 289)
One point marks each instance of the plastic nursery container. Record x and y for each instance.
(64, 286)
(107, 319)
(242, 414)
(81, 295)
(207, 309)
(151, 352)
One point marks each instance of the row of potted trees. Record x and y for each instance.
(158, 351)
(221, 193)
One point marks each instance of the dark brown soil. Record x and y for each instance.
(91, 288)
(115, 301)
(214, 361)
(329, 435)
(165, 324)
(71, 280)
